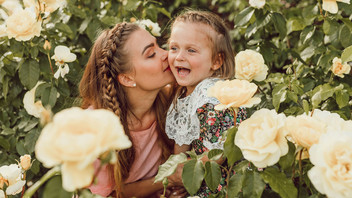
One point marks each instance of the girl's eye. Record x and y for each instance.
(151, 56)
(173, 48)
(191, 50)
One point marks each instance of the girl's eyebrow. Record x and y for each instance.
(146, 47)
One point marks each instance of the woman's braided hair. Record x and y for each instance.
(100, 88)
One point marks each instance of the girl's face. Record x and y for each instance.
(150, 66)
(190, 53)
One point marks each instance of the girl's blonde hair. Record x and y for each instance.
(100, 88)
(221, 42)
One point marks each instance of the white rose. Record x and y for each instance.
(149, 25)
(235, 93)
(250, 65)
(75, 139)
(340, 69)
(261, 138)
(332, 157)
(11, 6)
(33, 108)
(331, 5)
(306, 130)
(46, 5)
(11, 175)
(62, 55)
(23, 25)
(257, 3)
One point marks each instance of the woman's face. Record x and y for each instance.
(150, 65)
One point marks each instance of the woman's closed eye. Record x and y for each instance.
(152, 55)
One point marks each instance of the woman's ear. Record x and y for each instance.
(219, 60)
(126, 80)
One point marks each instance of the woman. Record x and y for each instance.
(127, 73)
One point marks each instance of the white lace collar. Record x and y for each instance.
(182, 123)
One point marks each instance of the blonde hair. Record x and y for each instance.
(100, 88)
(221, 42)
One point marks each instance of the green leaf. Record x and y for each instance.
(34, 52)
(279, 95)
(294, 24)
(169, 167)
(215, 154)
(279, 182)
(29, 73)
(253, 185)
(192, 154)
(287, 160)
(235, 184)
(231, 151)
(20, 148)
(342, 98)
(346, 55)
(244, 16)
(109, 20)
(292, 96)
(53, 189)
(345, 36)
(65, 29)
(307, 34)
(348, 23)
(212, 175)
(31, 139)
(280, 24)
(323, 92)
(305, 106)
(193, 175)
(4, 143)
(49, 96)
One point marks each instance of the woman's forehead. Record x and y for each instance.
(139, 40)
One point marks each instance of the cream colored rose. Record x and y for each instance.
(149, 25)
(332, 159)
(23, 25)
(33, 108)
(250, 65)
(75, 139)
(261, 138)
(3, 30)
(46, 5)
(306, 130)
(25, 162)
(11, 176)
(11, 6)
(340, 69)
(331, 5)
(235, 93)
(257, 3)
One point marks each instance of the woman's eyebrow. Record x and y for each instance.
(146, 47)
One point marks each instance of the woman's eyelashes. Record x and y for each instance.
(152, 55)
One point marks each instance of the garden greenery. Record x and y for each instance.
(307, 51)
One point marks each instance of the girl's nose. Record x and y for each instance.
(179, 56)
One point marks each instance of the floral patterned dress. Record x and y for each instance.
(213, 124)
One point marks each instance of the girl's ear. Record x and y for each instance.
(126, 80)
(219, 60)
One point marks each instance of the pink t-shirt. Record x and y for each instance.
(145, 165)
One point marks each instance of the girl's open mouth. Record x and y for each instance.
(182, 71)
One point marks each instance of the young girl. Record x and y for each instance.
(199, 55)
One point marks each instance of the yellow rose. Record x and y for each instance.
(250, 65)
(332, 159)
(235, 93)
(75, 139)
(306, 130)
(340, 69)
(23, 25)
(261, 138)
(331, 5)
(25, 162)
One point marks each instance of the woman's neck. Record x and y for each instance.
(142, 114)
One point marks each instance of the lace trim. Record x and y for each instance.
(182, 123)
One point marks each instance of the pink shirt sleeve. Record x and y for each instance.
(105, 180)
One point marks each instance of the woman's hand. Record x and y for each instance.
(176, 178)
(177, 192)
